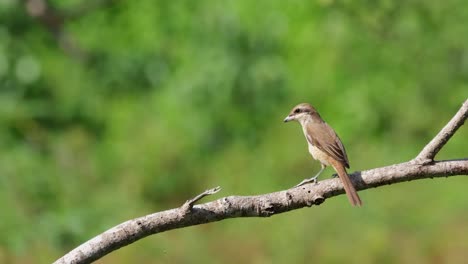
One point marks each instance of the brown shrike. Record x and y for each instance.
(324, 146)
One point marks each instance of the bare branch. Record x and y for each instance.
(273, 203)
(430, 150)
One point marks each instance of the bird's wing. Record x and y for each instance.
(328, 142)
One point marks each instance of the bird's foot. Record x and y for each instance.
(334, 175)
(313, 179)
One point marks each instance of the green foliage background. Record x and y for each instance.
(170, 98)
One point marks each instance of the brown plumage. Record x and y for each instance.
(324, 146)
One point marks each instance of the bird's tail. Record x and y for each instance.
(348, 185)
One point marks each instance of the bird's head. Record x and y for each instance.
(301, 112)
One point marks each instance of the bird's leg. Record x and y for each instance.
(313, 179)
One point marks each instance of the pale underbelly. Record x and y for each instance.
(319, 155)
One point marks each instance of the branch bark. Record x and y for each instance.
(422, 167)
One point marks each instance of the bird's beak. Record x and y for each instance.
(288, 118)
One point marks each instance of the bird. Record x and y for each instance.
(324, 146)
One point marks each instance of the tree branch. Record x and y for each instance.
(430, 150)
(273, 203)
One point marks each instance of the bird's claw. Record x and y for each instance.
(311, 180)
(334, 175)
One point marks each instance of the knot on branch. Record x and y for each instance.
(317, 200)
(268, 208)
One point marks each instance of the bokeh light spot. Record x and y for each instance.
(28, 69)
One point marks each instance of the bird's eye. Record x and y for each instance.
(298, 110)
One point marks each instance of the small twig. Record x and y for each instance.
(188, 205)
(427, 155)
